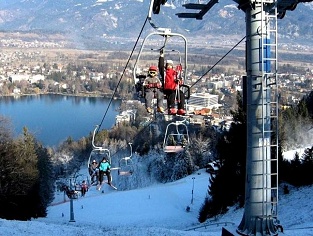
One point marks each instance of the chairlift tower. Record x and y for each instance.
(261, 103)
(261, 193)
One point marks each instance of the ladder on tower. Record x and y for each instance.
(268, 59)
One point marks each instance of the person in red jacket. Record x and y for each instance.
(171, 84)
(84, 188)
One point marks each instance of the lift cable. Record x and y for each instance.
(123, 72)
(218, 61)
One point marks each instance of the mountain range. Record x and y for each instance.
(93, 22)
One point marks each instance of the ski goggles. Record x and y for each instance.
(153, 73)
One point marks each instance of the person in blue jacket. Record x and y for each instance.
(104, 168)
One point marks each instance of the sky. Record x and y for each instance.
(155, 210)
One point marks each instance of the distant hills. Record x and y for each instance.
(92, 23)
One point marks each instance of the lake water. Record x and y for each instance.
(53, 118)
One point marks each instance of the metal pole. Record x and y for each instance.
(71, 205)
(71, 211)
(257, 218)
(193, 185)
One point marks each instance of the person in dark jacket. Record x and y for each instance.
(94, 172)
(153, 88)
(171, 82)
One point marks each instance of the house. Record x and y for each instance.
(18, 77)
(36, 78)
(16, 91)
(198, 101)
(125, 116)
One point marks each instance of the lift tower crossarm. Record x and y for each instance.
(194, 6)
(204, 8)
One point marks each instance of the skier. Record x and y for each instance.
(171, 80)
(94, 172)
(153, 87)
(104, 168)
(84, 188)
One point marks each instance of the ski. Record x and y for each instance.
(111, 185)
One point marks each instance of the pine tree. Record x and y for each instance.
(45, 185)
(26, 159)
(307, 167)
(309, 104)
(294, 125)
(23, 191)
(228, 186)
(295, 170)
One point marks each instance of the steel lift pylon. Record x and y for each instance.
(261, 194)
(260, 86)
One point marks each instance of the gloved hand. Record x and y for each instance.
(179, 68)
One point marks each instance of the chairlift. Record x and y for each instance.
(78, 179)
(165, 34)
(71, 193)
(126, 164)
(176, 137)
(97, 153)
(139, 77)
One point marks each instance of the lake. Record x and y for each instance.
(53, 118)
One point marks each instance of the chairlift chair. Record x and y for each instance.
(164, 33)
(126, 164)
(78, 179)
(182, 60)
(98, 153)
(71, 193)
(176, 137)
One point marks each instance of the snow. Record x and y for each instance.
(155, 210)
(290, 155)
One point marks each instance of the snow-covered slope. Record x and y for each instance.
(155, 210)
